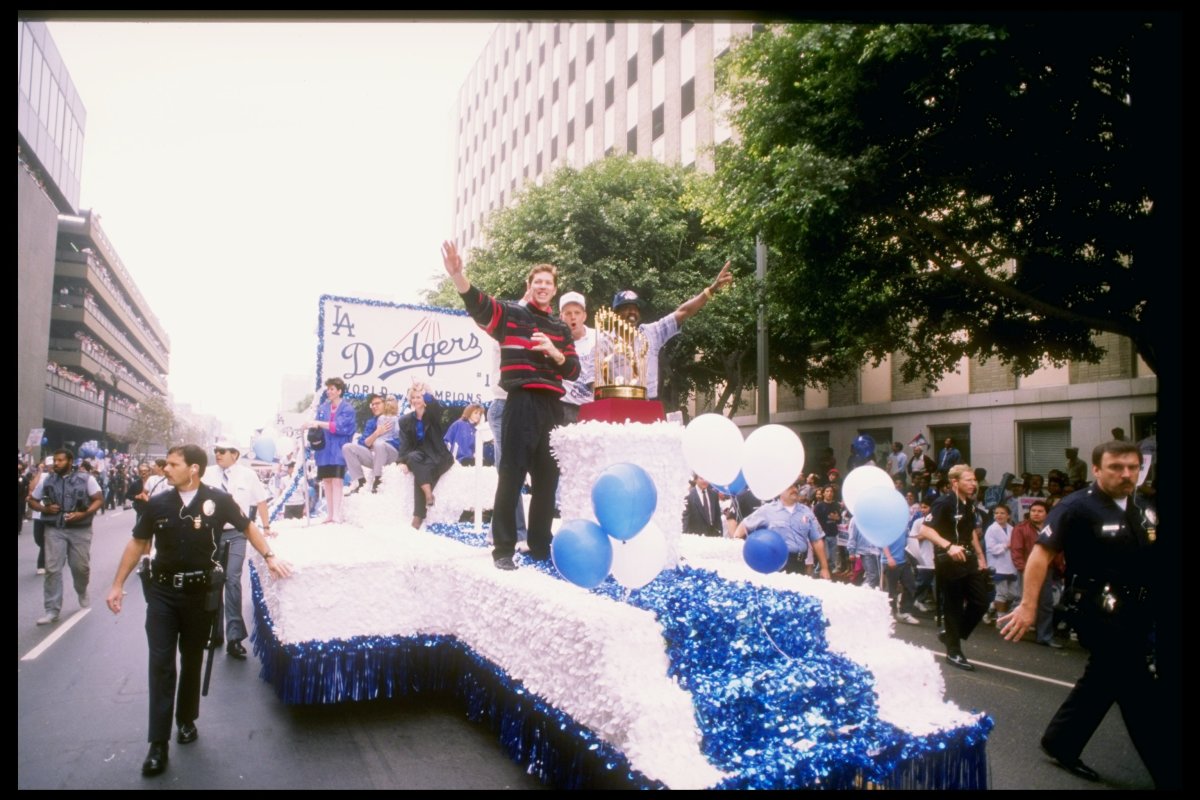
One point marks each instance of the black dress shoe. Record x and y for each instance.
(960, 661)
(236, 650)
(156, 759)
(1074, 766)
(187, 733)
(505, 563)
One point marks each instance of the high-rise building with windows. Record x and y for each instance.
(89, 349)
(547, 94)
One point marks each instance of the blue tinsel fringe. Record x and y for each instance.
(776, 708)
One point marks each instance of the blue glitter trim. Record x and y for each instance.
(775, 707)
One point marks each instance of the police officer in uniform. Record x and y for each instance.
(1108, 545)
(184, 526)
(959, 563)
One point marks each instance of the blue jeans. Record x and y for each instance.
(495, 418)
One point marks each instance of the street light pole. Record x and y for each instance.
(764, 391)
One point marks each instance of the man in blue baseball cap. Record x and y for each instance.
(628, 306)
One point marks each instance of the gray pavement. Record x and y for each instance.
(82, 707)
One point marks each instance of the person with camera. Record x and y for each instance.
(959, 562)
(184, 527)
(68, 499)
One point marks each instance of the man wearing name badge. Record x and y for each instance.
(68, 499)
(572, 309)
(796, 523)
(248, 492)
(184, 527)
(628, 306)
(1113, 565)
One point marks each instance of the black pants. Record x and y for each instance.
(966, 600)
(175, 619)
(1116, 672)
(901, 586)
(529, 416)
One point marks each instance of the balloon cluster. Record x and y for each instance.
(767, 462)
(271, 445)
(91, 449)
(880, 512)
(625, 543)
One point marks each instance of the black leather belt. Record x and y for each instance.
(181, 580)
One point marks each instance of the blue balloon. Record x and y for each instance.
(863, 446)
(881, 515)
(45, 441)
(582, 552)
(264, 448)
(624, 499)
(733, 489)
(765, 551)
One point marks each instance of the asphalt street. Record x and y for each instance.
(82, 707)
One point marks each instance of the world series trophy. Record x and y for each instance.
(620, 358)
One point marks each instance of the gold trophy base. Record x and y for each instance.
(626, 391)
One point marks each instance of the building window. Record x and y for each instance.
(541, 54)
(631, 77)
(610, 91)
(684, 27)
(554, 149)
(610, 30)
(1042, 445)
(539, 163)
(590, 51)
(554, 93)
(503, 151)
(541, 107)
(518, 41)
(687, 98)
(557, 34)
(528, 72)
(587, 114)
(656, 45)
(570, 133)
(656, 124)
(571, 72)
(516, 87)
(631, 141)
(527, 124)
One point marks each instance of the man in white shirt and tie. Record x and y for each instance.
(248, 491)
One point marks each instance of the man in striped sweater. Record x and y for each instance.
(537, 354)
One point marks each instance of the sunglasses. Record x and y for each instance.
(221, 450)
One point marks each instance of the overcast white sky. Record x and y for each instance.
(242, 170)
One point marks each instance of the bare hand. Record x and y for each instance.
(961, 555)
(724, 278)
(1017, 622)
(115, 595)
(385, 427)
(279, 568)
(451, 260)
(542, 344)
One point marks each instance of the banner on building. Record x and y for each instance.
(383, 348)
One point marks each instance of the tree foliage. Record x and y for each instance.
(948, 191)
(153, 427)
(621, 223)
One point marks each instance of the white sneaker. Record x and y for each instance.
(85, 600)
(908, 619)
(919, 606)
(47, 618)
(41, 571)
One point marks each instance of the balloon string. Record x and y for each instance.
(761, 624)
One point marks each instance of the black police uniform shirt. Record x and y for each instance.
(1101, 541)
(179, 545)
(960, 531)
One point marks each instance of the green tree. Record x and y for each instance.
(621, 223)
(153, 427)
(962, 190)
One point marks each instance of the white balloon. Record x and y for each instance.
(862, 478)
(285, 446)
(711, 446)
(638, 561)
(772, 458)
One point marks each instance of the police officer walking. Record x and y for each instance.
(1108, 545)
(959, 563)
(184, 526)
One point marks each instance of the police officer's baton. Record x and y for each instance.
(214, 604)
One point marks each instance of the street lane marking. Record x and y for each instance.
(998, 668)
(58, 634)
